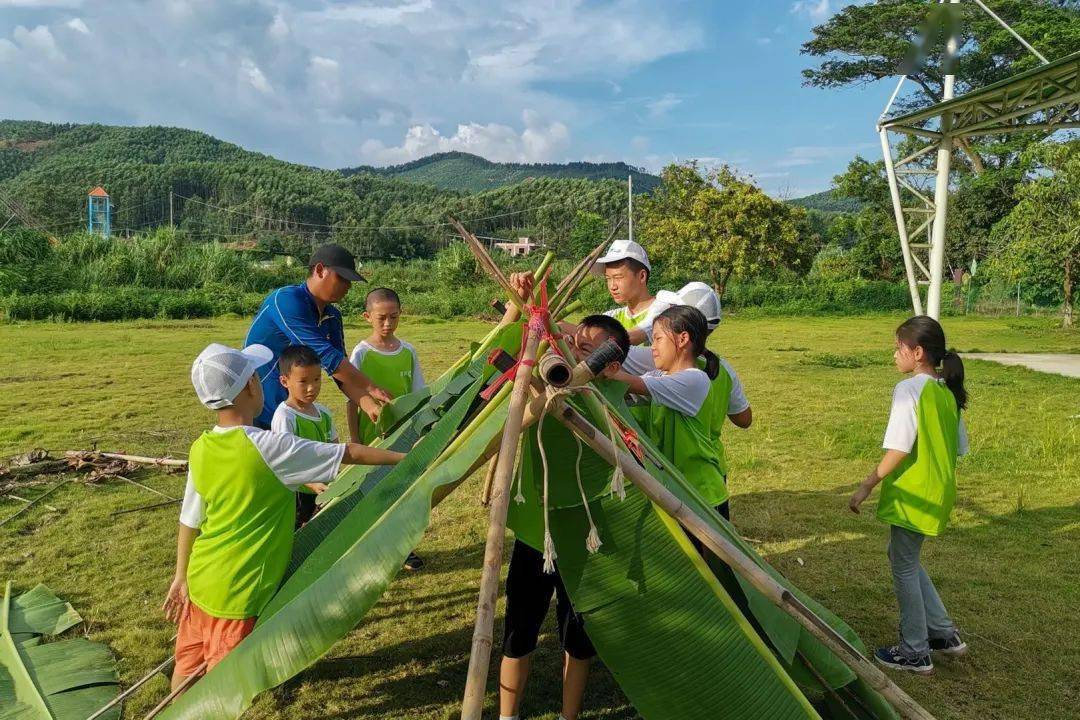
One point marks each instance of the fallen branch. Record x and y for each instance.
(140, 508)
(35, 501)
(88, 456)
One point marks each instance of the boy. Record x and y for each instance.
(300, 373)
(528, 587)
(390, 362)
(236, 523)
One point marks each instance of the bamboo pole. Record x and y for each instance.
(127, 693)
(489, 481)
(140, 459)
(188, 682)
(574, 278)
(742, 564)
(35, 501)
(476, 682)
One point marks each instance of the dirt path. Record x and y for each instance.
(1055, 363)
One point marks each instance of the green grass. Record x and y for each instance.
(820, 388)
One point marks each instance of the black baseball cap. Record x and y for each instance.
(337, 259)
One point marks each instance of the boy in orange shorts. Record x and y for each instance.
(236, 524)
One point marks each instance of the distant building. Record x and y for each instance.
(99, 212)
(522, 246)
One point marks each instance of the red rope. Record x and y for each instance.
(537, 323)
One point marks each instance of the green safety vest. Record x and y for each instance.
(245, 542)
(320, 430)
(628, 321)
(713, 411)
(393, 373)
(920, 493)
(688, 444)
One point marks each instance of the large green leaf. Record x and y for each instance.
(61, 680)
(344, 575)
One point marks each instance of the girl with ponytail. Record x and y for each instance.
(677, 391)
(924, 436)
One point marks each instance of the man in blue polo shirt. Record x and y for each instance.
(304, 314)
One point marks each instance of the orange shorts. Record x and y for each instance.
(205, 638)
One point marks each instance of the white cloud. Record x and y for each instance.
(764, 41)
(660, 106)
(816, 10)
(254, 76)
(78, 25)
(41, 3)
(39, 42)
(802, 155)
(372, 15)
(279, 29)
(538, 141)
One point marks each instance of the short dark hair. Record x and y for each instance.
(296, 355)
(381, 294)
(634, 266)
(612, 328)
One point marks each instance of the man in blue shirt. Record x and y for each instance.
(304, 314)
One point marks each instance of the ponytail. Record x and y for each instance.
(952, 371)
(686, 319)
(925, 332)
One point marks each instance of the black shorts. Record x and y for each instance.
(305, 507)
(528, 597)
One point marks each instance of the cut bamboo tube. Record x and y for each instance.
(476, 681)
(742, 564)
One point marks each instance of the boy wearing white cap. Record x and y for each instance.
(236, 523)
(626, 270)
(726, 398)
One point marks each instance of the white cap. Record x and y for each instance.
(622, 250)
(221, 372)
(697, 295)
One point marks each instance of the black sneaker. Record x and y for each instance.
(413, 562)
(893, 657)
(953, 645)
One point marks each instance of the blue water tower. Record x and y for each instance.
(99, 212)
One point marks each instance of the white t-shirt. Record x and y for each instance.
(684, 391)
(285, 419)
(363, 347)
(903, 425)
(639, 361)
(293, 460)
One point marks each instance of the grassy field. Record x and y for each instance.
(820, 388)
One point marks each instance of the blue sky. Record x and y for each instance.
(336, 84)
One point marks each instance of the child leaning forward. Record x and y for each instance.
(236, 523)
(918, 476)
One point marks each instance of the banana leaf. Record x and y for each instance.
(341, 579)
(60, 680)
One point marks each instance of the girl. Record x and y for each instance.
(678, 391)
(922, 441)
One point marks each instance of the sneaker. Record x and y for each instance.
(893, 657)
(413, 562)
(952, 645)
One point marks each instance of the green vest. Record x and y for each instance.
(920, 493)
(713, 411)
(245, 542)
(628, 321)
(320, 430)
(392, 372)
(687, 443)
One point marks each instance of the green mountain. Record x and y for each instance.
(827, 202)
(472, 173)
(212, 189)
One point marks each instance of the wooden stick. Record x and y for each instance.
(38, 468)
(573, 281)
(127, 693)
(147, 487)
(140, 508)
(140, 459)
(742, 564)
(35, 501)
(476, 681)
(489, 480)
(481, 254)
(175, 693)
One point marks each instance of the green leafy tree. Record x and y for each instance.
(589, 231)
(719, 226)
(1040, 237)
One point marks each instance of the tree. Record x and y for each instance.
(589, 231)
(1040, 237)
(717, 225)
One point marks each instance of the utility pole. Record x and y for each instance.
(172, 225)
(941, 187)
(630, 206)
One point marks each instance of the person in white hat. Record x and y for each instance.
(626, 271)
(236, 522)
(726, 398)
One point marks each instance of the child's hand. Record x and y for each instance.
(176, 599)
(859, 497)
(522, 283)
(371, 408)
(317, 488)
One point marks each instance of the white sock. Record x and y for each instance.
(508, 717)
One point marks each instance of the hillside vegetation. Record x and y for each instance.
(472, 173)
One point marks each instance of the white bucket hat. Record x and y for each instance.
(221, 372)
(697, 295)
(622, 250)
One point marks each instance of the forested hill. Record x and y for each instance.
(471, 173)
(223, 191)
(827, 202)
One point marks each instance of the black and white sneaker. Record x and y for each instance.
(893, 657)
(953, 645)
